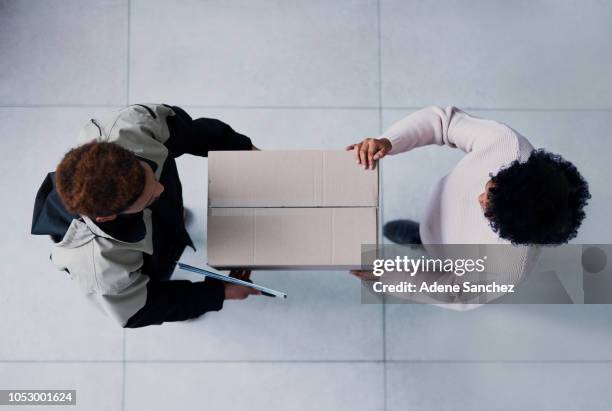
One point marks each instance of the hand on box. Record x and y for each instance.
(370, 150)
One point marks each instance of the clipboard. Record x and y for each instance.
(210, 272)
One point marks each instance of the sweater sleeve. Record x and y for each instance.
(202, 135)
(449, 126)
(178, 300)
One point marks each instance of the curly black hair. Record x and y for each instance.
(539, 201)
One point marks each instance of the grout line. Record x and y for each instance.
(499, 361)
(380, 99)
(285, 207)
(381, 196)
(282, 107)
(518, 109)
(180, 361)
(123, 369)
(212, 106)
(387, 361)
(127, 102)
(128, 52)
(61, 106)
(306, 107)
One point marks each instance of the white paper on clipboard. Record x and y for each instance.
(212, 273)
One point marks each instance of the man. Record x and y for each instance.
(501, 192)
(114, 209)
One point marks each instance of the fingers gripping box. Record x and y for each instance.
(289, 209)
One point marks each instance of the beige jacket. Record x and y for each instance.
(108, 270)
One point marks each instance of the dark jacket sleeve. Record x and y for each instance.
(202, 135)
(178, 300)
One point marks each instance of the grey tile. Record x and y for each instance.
(68, 52)
(499, 332)
(98, 386)
(255, 53)
(255, 386)
(297, 129)
(496, 53)
(46, 317)
(322, 319)
(475, 387)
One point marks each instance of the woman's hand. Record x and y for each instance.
(370, 150)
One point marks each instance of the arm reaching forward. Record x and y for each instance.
(449, 126)
(434, 125)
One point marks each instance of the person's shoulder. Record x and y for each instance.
(510, 140)
(524, 148)
(109, 125)
(504, 144)
(489, 134)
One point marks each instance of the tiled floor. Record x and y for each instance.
(304, 75)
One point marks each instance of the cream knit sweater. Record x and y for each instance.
(453, 214)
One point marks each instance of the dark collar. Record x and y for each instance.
(149, 162)
(129, 228)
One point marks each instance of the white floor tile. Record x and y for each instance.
(518, 386)
(282, 386)
(322, 319)
(496, 53)
(499, 332)
(63, 52)
(98, 386)
(255, 53)
(297, 129)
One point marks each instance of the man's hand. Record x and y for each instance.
(239, 292)
(370, 150)
(241, 274)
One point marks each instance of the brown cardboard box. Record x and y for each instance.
(289, 179)
(289, 209)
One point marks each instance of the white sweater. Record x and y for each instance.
(453, 214)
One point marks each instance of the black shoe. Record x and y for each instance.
(402, 232)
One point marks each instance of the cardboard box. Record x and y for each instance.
(289, 209)
(289, 179)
